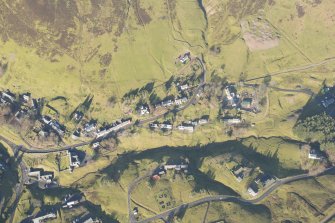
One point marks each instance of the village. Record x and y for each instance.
(40, 124)
(45, 127)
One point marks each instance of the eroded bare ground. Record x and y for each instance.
(259, 35)
(218, 14)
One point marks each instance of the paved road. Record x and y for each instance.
(144, 121)
(132, 186)
(273, 187)
(328, 217)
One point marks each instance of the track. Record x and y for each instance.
(295, 69)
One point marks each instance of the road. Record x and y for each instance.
(144, 121)
(304, 91)
(131, 187)
(24, 170)
(295, 69)
(328, 217)
(264, 195)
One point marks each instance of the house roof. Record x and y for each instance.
(246, 102)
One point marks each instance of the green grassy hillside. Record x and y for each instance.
(72, 49)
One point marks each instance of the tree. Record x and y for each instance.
(267, 80)
(154, 99)
(149, 87)
(112, 101)
(263, 101)
(211, 174)
(243, 76)
(110, 143)
(169, 83)
(317, 128)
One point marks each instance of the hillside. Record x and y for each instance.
(171, 110)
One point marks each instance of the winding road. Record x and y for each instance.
(240, 200)
(20, 148)
(141, 122)
(171, 212)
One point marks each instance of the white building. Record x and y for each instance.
(95, 145)
(184, 87)
(153, 125)
(185, 128)
(165, 126)
(73, 159)
(202, 121)
(232, 121)
(43, 218)
(46, 119)
(144, 110)
(180, 101)
(313, 154)
(184, 58)
(176, 167)
(113, 129)
(252, 191)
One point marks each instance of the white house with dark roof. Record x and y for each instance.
(25, 97)
(154, 125)
(46, 119)
(95, 145)
(180, 101)
(232, 121)
(144, 110)
(167, 103)
(40, 218)
(166, 126)
(41, 175)
(115, 127)
(175, 167)
(55, 125)
(185, 57)
(314, 155)
(186, 128)
(90, 126)
(253, 189)
(202, 121)
(74, 159)
(8, 95)
(184, 87)
(78, 115)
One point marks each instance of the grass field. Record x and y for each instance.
(145, 51)
(308, 205)
(232, 212)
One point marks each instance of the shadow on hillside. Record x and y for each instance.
(59, 193)
(314, 107)
(8, 180)
(269, 162)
